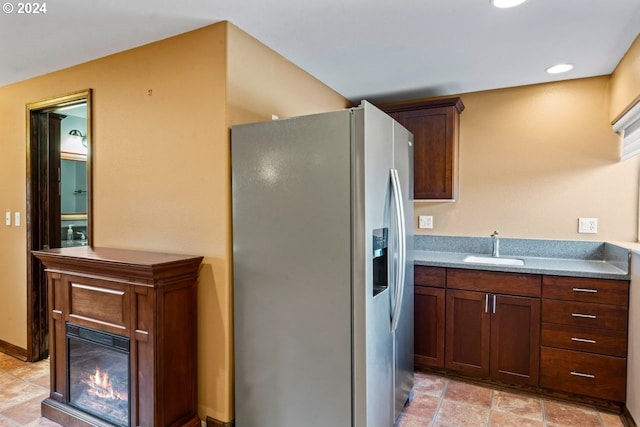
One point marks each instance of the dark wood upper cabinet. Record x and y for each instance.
(435, 127)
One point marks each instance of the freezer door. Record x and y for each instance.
(403, 374)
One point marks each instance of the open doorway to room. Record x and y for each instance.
(58, 196)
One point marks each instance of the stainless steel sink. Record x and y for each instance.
(493, 260)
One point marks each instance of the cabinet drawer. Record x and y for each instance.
(429, 276)
(603, 291)
(526, 285)
(592, 375)
(612, 343)
(585, 314)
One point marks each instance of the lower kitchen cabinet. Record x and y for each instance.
(429, 324)
(490, 335)
(553, 334)
(467, 333)
(515, 339)
(584, 336)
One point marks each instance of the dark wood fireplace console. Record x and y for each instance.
(149, 298)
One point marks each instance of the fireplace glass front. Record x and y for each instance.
(99, 374)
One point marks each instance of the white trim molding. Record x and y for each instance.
(628, 126)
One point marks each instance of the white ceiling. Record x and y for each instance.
(380, 50)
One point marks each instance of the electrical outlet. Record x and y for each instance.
(588, 225)
(425, 221)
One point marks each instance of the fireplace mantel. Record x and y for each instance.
(147, 297)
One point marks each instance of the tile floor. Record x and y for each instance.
(438, 402)
(442, 402)
(22, 387)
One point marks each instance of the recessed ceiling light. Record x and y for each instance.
(559, 68)
(503, 4)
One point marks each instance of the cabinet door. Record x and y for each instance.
(467, 332)
(515, 339)
(435, 138)
(429, 326)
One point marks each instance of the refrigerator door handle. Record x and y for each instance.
(402, 249)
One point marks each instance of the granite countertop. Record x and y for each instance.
(552, 257)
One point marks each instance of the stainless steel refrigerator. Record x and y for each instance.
(322, 270)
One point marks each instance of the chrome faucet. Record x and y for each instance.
(496, 244)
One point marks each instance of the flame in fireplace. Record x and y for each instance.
(99, 385)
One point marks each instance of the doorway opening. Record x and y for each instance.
(58, 196)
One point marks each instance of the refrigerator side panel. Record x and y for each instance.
(403, 162)
(359, 266)
(292, 272)
(378, 155)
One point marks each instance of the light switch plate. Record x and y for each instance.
(588, 225)
(7, 218)
(16, 219)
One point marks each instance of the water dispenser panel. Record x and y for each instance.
(380, 274)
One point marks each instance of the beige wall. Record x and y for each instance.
(535, 158)
(161, 167)
(625, 82)
(262, 83)
(13, 245)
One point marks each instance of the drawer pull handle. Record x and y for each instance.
(585, 316)
(591, 291)
(96, 289)
(580, 374)
(583, 340)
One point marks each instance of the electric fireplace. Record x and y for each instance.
(98, 370)
(122, 338)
